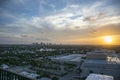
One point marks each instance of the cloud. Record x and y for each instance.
(75, 17)
(53, 7)
(3, 2)
(20, 1)
(62, 22)
(89, 19)
(71, 17)
(111, 29)
(43, 39)
(24, 35)
(13, 40)
(65, 17)
(23, 25)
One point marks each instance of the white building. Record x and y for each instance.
(46, 49)
(31, 75)
(72, 58)
(44, 78)
(66, 63)
(99, 77)
(4, 66)
(105, 63)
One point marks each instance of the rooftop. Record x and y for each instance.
(71, 57)
(99, 77)
(103, 51)
(113, 60)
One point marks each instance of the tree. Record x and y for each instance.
(55, 78)
(46, 75)
(91, 71)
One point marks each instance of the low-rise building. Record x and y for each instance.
(44, 78)
(99, 77)
(31, 75)
(4, 66)
(72, 58)
(67, 63)
(108, 64)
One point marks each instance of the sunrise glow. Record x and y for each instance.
(108, 39)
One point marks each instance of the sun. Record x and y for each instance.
(108, 39)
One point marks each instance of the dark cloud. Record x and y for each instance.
(101, 15)
(43, 39)
(113, 29)
(77, 27)
(93, 31)
(24, 35)
(13, 40)
(74, 17)
(89, 19)
(10, 29)
(3, 2)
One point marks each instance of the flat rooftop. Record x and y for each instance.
(71, 57)
(99, 77)
(110, 60)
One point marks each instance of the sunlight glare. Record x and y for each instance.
(108, 39)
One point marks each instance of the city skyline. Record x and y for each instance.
(59, 21)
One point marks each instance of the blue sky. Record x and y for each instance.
(58, 21)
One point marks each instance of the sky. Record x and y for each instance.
(59, 21)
